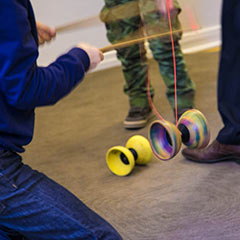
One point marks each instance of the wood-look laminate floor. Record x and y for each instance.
(172, 200)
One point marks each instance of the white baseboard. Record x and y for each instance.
(191, 42)
(201, 39)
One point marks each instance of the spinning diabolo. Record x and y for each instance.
(166, 138)
(121, 160)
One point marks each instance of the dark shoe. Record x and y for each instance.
(215, 152)
(138, 117)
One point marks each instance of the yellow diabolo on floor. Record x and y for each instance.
(121, 160)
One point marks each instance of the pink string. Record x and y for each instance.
(174, 57)
(168, 6)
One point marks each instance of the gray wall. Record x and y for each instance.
(57, 13)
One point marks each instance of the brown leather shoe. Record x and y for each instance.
(215, 152)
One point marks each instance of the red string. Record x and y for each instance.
(150, 99)
(174, 70)
(154, 109)
(152, 106)
(174, 57)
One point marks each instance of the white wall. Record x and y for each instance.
(57, 13)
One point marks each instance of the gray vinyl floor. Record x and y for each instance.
(172, 200)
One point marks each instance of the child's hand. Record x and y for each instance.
(95, 55)
(45, 33)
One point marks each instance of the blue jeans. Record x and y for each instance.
(34, 207)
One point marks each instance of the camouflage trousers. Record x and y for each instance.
(131, 19)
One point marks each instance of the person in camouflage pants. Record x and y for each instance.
(132, 19)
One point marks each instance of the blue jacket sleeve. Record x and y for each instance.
(22, 82)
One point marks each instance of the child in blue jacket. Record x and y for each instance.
(32, 206)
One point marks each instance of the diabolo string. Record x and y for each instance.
(154, 109)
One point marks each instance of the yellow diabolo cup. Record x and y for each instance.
(121, 160)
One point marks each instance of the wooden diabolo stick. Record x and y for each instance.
(92, 21)
(136, 41)
(77, 24)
